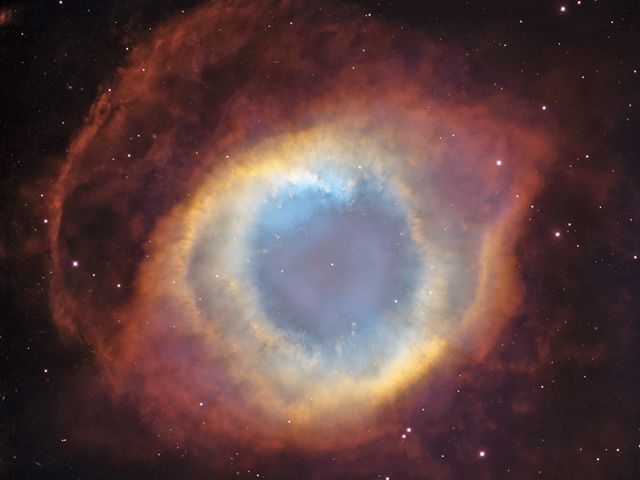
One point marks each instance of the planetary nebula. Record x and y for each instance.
(280, 222)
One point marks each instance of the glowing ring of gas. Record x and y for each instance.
(194, 341)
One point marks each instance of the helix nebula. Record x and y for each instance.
(304, 246)
(288, 232)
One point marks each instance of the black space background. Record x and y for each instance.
(53, 58)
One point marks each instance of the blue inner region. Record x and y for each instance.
(331, 264)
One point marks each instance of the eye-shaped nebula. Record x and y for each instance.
(280, 226)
